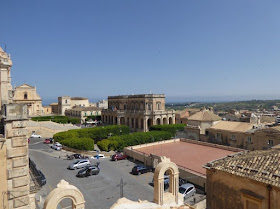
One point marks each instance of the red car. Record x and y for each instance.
(48, 141)
(119, 157)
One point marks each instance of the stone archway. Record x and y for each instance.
(122, 121)
(65, 190)
(158, 121)
(170, 120)
(149, 123)
(160, 197)
(164, 121)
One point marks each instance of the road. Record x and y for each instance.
(99, 191)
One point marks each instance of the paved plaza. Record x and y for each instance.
(99, 191)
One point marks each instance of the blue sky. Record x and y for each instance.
(188, 49)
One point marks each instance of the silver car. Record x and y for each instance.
(82, 163)
(187, 190)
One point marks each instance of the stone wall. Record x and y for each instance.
(224, 190)
(3, 172)
(17, 156)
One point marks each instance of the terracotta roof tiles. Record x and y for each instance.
(262, 166)
(232, 126)
(205, 115)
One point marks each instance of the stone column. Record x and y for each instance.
(145, 124)
(118, 121)
(17, 155)
(130, 122)
(134, 123)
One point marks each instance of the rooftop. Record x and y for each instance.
(78, 108)
(232, 126)
(79, 98)
(137, 96)
(205, 115)
(262, 166)
(189, 154)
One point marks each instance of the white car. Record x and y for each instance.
(35, 135)
(58, 144)
(55, 147)
(98, 156)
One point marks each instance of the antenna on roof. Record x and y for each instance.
(5, 49)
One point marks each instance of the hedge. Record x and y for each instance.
(95, 133)
(119, 142)
(79, 143)
(57, 119)
(172, 128)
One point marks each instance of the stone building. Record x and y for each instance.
(228, 133)
(200, 121)
(26, 94)
(83, 112)
(6, 89)
(139, 112)
(245, 181)
(66, 103)
(243, 135)
(54, 108)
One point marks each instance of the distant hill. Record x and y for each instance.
(224, 106)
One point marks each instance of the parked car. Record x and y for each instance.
(187, 190)
(55, 147)
(42, 178)
(33, 135)
(48, 141)
(76, 156)
(138, 169)
(119, 157)
(58, 144)
(98, 156)
(166, 181)
(88, 171)
(82, 163)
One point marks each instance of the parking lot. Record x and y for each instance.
(99, 191)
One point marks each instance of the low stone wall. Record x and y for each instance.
(47, 128)
(212, 145)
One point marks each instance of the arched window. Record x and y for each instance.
(158, 105)
(25, 95)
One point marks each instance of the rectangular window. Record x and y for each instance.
(249, 139)
(232, 137)
(218, 135)
(66, 101)
(270, 142)
(250, 202)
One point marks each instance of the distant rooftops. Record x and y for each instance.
(205, 115)
(137, 96)
(232, 126)
(79, 98)
(262, 166)
(78, 108)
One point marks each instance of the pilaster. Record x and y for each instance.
(17, 155)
